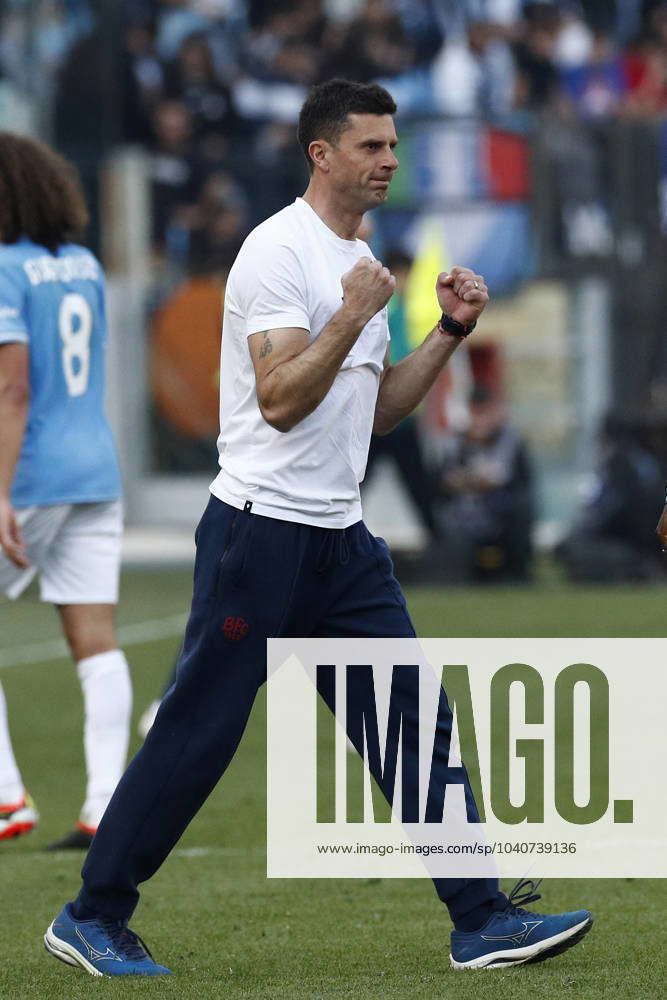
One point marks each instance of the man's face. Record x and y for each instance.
(362, 163)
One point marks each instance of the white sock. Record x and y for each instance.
(107, 698)
(11, 786)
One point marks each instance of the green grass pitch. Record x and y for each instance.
(211, 915)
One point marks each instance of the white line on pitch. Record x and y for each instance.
(227, 852)
(128, 635)
(179, 852)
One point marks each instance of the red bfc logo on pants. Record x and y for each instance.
(235, 628)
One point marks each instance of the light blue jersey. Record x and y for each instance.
(54, 303)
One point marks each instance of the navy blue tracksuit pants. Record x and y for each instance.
(254, 577)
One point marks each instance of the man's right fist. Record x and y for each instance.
(367, 288)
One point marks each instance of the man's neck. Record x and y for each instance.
(341, 221)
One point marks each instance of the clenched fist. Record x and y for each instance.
(462, 294)
(367, 288)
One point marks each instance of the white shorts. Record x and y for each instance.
(75, 550)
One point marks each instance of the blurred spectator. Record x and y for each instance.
(647, 67)
(220, 10)
(374, 44)
(573, 40)
(475, 74)
(280, 58)
(598, 86)
(219, 225)
(581, 185)
(279, 172)
(505, 13)
(456, 79)
(535, 53)
(143, 80)
(191, 78)
(32, 48)
(497, 82)
(628, 19)
(293, 25)
(87, 114)
(605, 15)
(613, 539)
(423, 24)
(175, 175)
(486, 484)
(176, 20)
(85, 106)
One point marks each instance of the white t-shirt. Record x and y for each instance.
(287, 274)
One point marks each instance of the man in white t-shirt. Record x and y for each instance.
(281, 548)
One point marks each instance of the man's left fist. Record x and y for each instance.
(462, 294)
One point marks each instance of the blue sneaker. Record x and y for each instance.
(102, 947)
(515, 936)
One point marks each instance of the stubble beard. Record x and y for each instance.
(374, 198)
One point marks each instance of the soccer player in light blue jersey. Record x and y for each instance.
(60, 507)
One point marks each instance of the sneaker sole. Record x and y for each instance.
(67, 953)
(563, 945)
(76, 840)
(16, 830)
(540, 952)
(20, 821)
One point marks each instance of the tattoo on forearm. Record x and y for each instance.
(267, 346)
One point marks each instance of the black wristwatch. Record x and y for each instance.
(452, 326)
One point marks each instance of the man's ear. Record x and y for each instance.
(318, 151)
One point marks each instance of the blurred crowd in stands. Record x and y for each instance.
(211, 90)
(212, 87)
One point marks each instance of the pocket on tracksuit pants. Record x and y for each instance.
(234, 560)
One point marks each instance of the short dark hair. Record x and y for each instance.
(40, 194)
(324, 113)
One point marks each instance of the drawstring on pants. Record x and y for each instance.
(334, 549)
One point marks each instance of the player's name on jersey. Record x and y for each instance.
(45, 268)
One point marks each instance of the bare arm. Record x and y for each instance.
(462, 295)
(405, 384)
(14, 397)
(293, 376)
